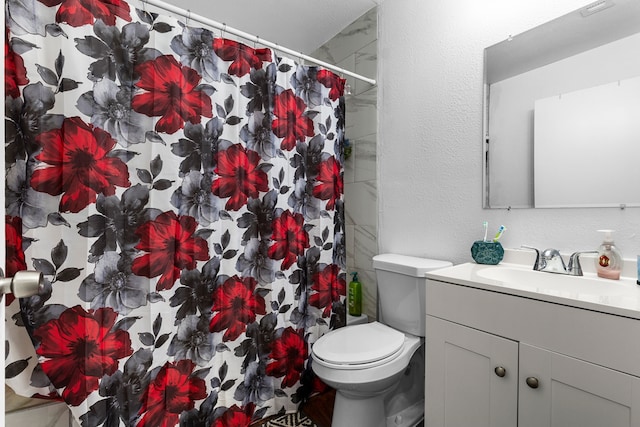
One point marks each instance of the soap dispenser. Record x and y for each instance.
(355, 296)
(609, 260)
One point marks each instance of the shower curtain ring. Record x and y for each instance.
(224, 29)
(188, 17)
(256, 41)
(144, 5)
(347, 86)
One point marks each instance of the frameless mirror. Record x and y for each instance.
(562, 112)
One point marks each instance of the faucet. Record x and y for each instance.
(574, 268)
(551, 261)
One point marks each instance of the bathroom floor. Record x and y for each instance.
(319, 409)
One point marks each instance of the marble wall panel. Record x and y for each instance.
(354, 37)
(364, 158)
(362, 114)
(366, 64)
(355, 49)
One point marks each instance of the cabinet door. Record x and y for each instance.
(471, 377)
(571, 392)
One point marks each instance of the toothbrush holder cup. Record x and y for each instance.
(487, 252)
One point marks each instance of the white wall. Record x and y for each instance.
(430, 126)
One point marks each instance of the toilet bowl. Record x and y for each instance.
(364, 376)
(381, 352)
(377, 368)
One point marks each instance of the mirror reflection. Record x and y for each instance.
(562, 103)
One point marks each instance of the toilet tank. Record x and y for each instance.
(401, 290)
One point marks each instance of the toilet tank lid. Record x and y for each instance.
(408, 265)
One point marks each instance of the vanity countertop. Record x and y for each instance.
(617, 297)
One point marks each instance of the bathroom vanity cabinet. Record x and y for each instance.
(498, 358)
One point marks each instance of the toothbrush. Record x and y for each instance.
(499, 233)
(486, 226)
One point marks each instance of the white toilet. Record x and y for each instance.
(377, 368)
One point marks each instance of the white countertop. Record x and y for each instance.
(618, 297)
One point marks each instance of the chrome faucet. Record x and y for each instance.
(551, 261)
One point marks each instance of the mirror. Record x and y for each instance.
(562, 109)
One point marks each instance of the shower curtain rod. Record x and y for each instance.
(224, 27)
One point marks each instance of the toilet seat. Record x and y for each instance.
(359, 346)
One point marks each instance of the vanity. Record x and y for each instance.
(508, 346)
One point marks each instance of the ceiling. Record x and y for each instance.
(301, 25)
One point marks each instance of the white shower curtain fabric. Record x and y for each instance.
(182, 194)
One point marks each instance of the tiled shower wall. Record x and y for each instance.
(355, 49)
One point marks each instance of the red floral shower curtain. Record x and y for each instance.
(182, 194)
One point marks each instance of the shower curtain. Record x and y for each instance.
(182, 194)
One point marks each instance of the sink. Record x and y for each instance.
(619, 297)
(575, 287)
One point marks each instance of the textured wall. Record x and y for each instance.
(430, 64)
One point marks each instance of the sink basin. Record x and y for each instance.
(574, 287)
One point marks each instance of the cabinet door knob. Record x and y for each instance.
(500, 371)
(532, 382)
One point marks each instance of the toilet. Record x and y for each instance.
(377, 368)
